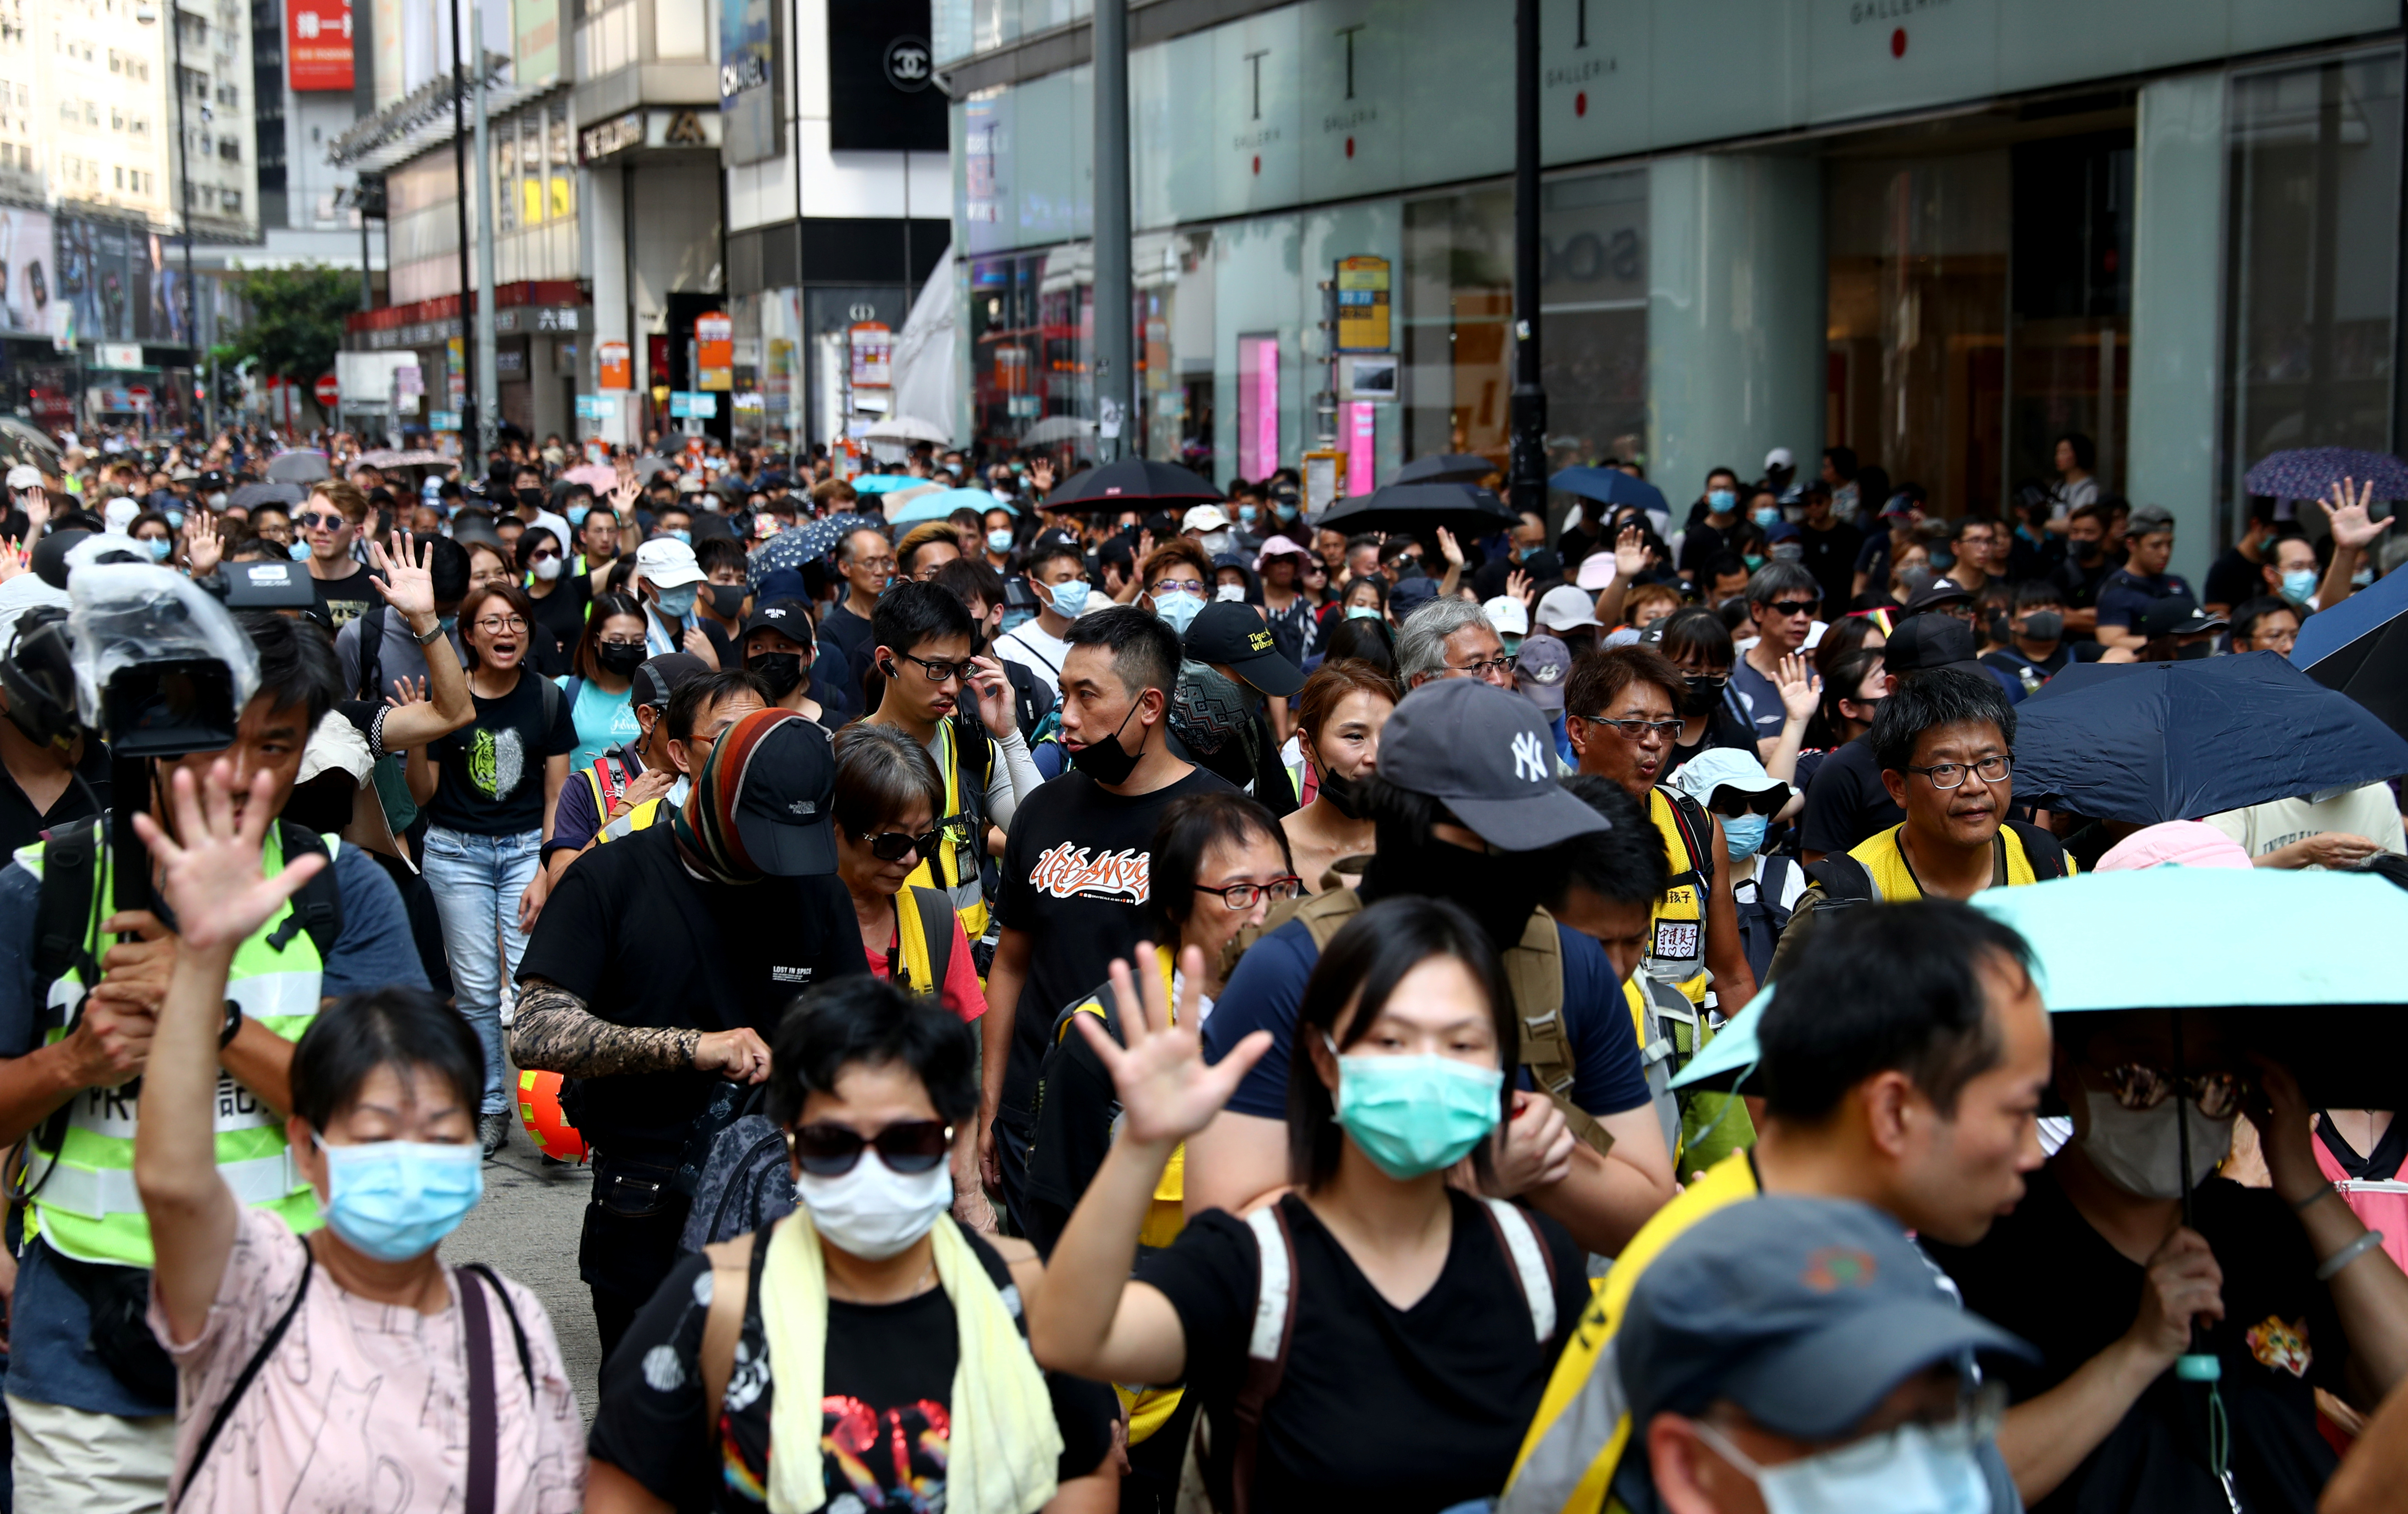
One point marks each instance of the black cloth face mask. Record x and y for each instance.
(782, 671)
(1108, 762)
(619, 662)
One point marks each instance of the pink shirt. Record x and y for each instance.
(363, 1404)
(960, 992)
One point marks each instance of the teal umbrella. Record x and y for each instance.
(937, 506)
(2306, 955)
(879, 483)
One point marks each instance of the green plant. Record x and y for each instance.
(292, 322)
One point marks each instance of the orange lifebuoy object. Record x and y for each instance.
(539, 1111)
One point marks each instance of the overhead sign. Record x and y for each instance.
(442, 420)
(657, 127)
(117, 354)
(1362, 323)
(690, 405)
(318, 45)
(596, 406)
(880, 73)
(872, 345)
(714, 346)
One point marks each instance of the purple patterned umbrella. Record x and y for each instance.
(2310, 473)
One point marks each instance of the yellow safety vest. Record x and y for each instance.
(83, 1200)
(962, 857)
(1894, 880)
(1676, 933)
(1568, 1459)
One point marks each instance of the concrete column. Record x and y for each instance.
(602, 251)
(2177, 248)
(1735, 317)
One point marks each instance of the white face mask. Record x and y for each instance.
(1913, 1469)
(2139, 1151)
(546, 568)
(873, 1213)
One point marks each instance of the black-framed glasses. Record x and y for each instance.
(1246, 896)
(938, 672)
(1476, 670)
(1636, 729)
(2138, 1086)
(825, 1150)
(1991, 769)
(494, 625)
(893, 846)
(1788, 607)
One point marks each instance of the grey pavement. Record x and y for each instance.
(526, 1228)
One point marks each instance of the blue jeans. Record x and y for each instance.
(476, 880)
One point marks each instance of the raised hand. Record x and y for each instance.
(408, 584)
(1631, 553)
(1041, 475)
(1167, 1091)
(406, 693)
(1800, 688)
(1517, 586)
(204, 546)
(210, 870)
(623, 496)
(1449, 548)
(14, 560)
(993, 688)
(2345, 515)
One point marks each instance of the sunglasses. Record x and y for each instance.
(893, 846)
(2138, 1086)
(313, 521)
(1786, 608)
(831, 1151)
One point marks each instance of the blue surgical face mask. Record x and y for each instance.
(1247, 513)
(394, 1200)
(999, 540)
(1363, 613)
(448, 622)
(298, 551)
(686, 537)
(677, 602)
(1768, 516)
(175, 517)
(158, 546)
(1742, 835)
(1179, 608)
(1755, 560)
(1070, 598)
(1913, 1469)
(576, 514)
(2299, 584)
(1721, 501)
(1414, 1115)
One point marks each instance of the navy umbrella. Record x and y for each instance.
(1132, 481)
(807, 542)
(2311, 472)
(1447, 467)
(1610, 486)
(1420, 509)
(2159, 741)
(2360, 647)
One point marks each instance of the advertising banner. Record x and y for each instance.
(118, 280)
(318, 44)
(752, 94)
(26, 271)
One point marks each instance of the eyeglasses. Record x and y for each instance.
(2138, 1086)
(1788, 607)
(893, 846)
(831, 1151)
(494, 625)
(1246, 896)
(1635, 730)
(1992, 769)
(312, 521)
(1478, 670)
(1178, 586)
(940, 672)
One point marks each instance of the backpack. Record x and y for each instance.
(1534, 969)
(1840, 878)
(1225, 1483)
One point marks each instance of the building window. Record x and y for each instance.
(231, 200)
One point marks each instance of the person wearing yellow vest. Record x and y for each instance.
(1220, 862)
(92, 1396)
(925, 647)
(1622, 715)
(697, 715)
(1944, 742)
(1902, 1058)
(628, 774)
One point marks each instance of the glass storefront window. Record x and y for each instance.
(2311, 243)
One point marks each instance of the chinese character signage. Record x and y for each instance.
(873, 355)
(318, 44)
(1363, 305)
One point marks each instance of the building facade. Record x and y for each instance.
(1943, 233)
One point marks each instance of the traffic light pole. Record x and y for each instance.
(1115, 343)
(1528, 472)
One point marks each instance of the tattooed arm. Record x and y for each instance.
(554, 1032)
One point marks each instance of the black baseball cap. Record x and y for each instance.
(2176, 615)
(1921, 642)
(784, 799)
(1487, 756)
(1937, 592)
(1233, 635)
(659, 677)
(789, 618)
(1804, 1312)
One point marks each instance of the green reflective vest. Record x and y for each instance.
(83, 1200)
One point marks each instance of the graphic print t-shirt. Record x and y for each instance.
(1075, 880)
(493, 769)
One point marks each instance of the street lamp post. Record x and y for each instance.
(471, 462)
(1529, 470)
(184, 191)
(1115, 343)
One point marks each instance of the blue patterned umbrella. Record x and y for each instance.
(804, 543)
(2311, 472)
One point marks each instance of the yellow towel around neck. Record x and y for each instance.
(1004, 1445)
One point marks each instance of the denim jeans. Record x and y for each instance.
(476, 880)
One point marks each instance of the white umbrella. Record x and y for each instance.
(908, 428)
(1058, 428)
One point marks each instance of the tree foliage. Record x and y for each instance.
(294, 320)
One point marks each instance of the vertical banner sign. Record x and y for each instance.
(318, 44)
(1363, 305)
(882, 78)
(714, 340)
(1258, 403)
(617, 372)
(536, 25)
(751, 86)
(873, 355)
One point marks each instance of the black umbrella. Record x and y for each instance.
(2161, 741)
(2360, 647)
(1447, 467)
(302, 466)
(1132, 481)
(1420, 509)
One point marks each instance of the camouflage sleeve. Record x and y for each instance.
(554, 1032)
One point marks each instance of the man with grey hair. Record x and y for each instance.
(865, 559)
(1451, 638)
(1782, 601)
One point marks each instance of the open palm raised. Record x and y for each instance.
(1165, 1087)
(210, 870)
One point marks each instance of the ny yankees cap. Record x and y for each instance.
(1486, 754)
(1233, 635)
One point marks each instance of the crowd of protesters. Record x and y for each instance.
(1138, 1007)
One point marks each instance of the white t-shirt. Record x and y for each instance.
(2369, 812)
(1029, 645)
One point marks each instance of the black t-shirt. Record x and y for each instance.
(1846, 802)
(1832, 557)
(644, 942)
(493, 768)
(562, 612)
(1379, 1407)
(2079, 583)
(1075, 881)
(1702, 542)
(851, 638)
(2232, 577)
(2044, 1274)
(22, 825)
(886, 1382)
(343, 600)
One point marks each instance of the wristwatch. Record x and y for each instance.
(233, 1026)
(432, 632)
